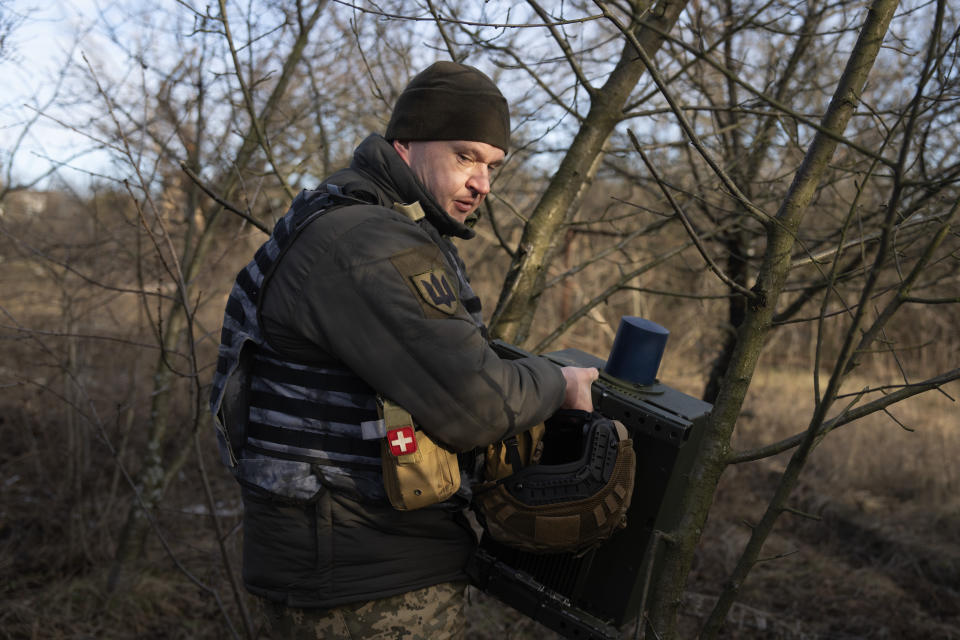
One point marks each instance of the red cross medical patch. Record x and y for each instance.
(402, 441)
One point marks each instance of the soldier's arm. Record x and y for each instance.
(386, 305)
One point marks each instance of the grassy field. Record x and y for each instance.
(879, 558)
(880, 561)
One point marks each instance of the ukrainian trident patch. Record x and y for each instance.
(434, 287)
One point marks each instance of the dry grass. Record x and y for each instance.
(880, 562)
(915, 459)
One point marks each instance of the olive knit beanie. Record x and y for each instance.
(451, 101)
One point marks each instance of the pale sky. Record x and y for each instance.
(39, 48)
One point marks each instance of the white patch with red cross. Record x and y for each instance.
(402, 441)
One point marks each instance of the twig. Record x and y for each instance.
(496, 229)
(224, 554)
(443, 32)
(605, 294)
(773, 102)
(565, 47)
(899, 423)
(620, 244)
(470, 23)
(536, 77)
(678, 294)
(248, 100)
(856, 242)
(750, 208)
(223, 203)
(651, 557)
(802, 514)
(779, 556)
(736, 286)
(846, 417)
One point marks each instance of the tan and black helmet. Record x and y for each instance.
(572, 492)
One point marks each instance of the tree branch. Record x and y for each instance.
(564, 47)
(691, 232)
(751, 209)
(880, 404)
(251, 108)
(232, 208)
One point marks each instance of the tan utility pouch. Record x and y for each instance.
(426, 476)
(506, 457)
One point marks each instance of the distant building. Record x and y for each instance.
(24, 204)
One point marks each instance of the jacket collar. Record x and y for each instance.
(378, 161)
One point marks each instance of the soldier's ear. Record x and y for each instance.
(402, 147)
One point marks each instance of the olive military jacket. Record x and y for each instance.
(376, 286)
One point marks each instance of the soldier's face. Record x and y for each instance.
(455, 172)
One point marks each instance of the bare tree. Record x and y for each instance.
(754, 311)
(738, 166)
(884, 233)
(9, 21)
(183, 255)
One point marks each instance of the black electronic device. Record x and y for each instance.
(597, 594)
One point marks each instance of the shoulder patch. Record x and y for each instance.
(434, 287)
(424, 270)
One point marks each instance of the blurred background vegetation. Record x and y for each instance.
(147, 147)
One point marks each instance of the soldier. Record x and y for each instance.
(357, 301)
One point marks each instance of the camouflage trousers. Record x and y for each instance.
(431, 613)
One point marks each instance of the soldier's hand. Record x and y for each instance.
(578, 381)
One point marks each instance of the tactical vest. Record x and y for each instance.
(288, 428)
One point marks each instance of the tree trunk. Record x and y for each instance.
(543, 232)
(711, 459)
